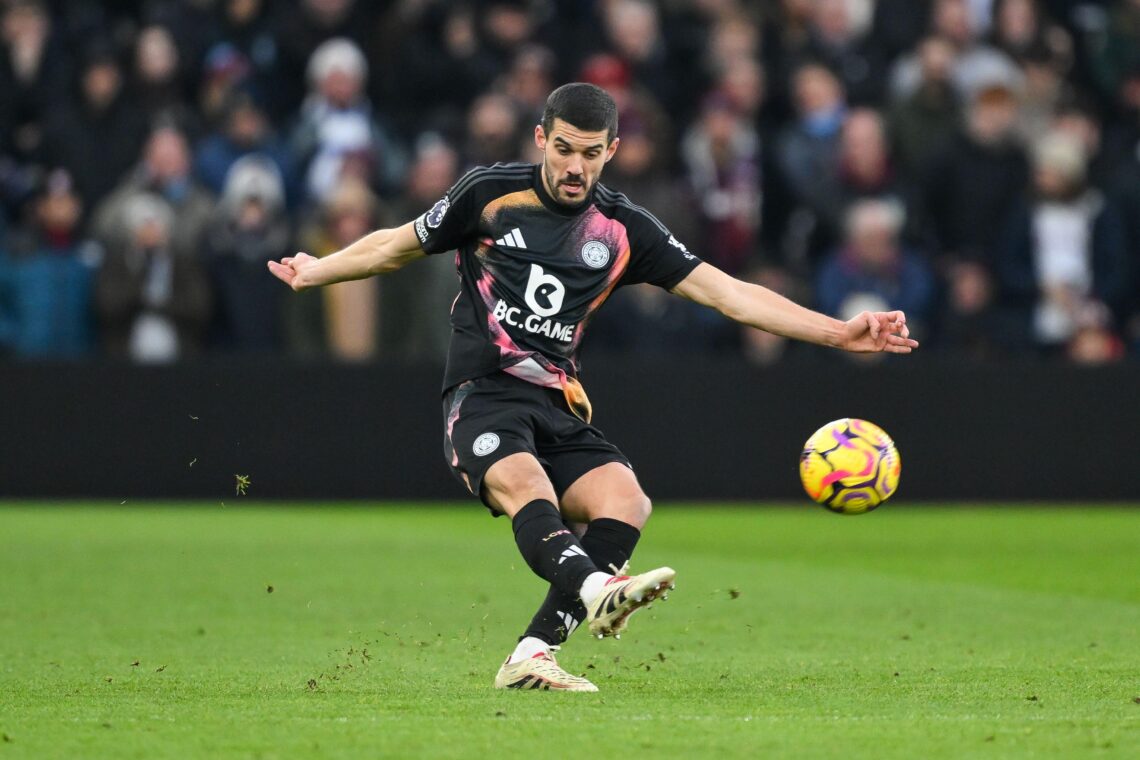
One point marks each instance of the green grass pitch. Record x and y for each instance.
(330, 631)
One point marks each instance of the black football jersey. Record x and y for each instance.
(533, 271)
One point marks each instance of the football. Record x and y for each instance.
(850, 466)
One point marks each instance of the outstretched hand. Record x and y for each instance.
(874, 331)
(289, 268)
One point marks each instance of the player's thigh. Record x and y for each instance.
(609, 490)
(591, 475)
(515, 481)
(486, 426)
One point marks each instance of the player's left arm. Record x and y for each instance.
(759, 307)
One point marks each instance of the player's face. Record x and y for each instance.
(572, 160)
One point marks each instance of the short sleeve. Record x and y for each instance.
(656, 257)
(452, 220)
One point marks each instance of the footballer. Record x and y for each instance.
(539, 249)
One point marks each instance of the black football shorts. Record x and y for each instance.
(492, 417)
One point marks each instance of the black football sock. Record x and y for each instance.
(557, 618)
(550, 548)
(609, 543)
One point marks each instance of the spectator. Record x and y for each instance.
(733, 39)
(1093, 345)
(1116, 64)
(158, 85)
(337, 134)
(248, 229)
(225, 71)
(1022, 33)
(970, 325)
(1062, 263)
(444, 65)
(245, 131)
(785, 41)
(351, 309)
(529, 80)
(691, 31)
(247, 30)
(33, 72)
(307, 26)
(730, 62)
(493, 133)
(1079, 120)
(96, 136)
(923, 121)
(641, 170)
(1044, 92)
(634, 102)
(164, 171)
(416, 300)
(836, 40)
(46, 279)
(808, 154)
(633, 29)
(866, 169)
(897, 26)
(722, 161)
(745, 85)
(970, 186)
(153, 303)
(193, 23)
(504, 27)
(976, 64)
(873, 267)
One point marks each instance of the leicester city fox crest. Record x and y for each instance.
(595, 254)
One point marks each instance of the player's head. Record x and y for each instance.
(577, 136)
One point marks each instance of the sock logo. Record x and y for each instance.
(570, 553)
(562, 532)
(568, 621)
(485, 444)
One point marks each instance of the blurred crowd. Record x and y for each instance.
(974, 162)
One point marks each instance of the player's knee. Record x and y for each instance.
(637, 510)
(537, 487)
(512, 495)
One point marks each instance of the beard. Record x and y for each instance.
(555, 186)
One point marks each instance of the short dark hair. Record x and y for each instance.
(586, 106)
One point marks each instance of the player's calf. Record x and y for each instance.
(552, 550)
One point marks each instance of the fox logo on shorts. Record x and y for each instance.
(485, 444)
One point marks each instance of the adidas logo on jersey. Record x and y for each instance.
(512, 239)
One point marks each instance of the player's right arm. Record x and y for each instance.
(376, 253)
